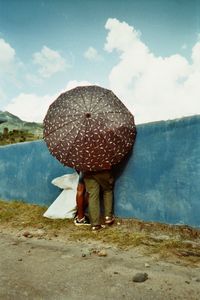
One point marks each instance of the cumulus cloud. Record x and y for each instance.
(152, 87)
(9, 67)
(32, 107)
(74, 83)
(92, 54)
(49, 61)
(29, 107)
(196, 55)
(7, 59)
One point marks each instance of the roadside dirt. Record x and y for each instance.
(44, 260)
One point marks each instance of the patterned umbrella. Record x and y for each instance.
(88, 128)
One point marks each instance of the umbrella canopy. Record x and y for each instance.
(88, 128)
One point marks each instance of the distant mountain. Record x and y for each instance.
(12, 122)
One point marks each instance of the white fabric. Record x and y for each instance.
(64, 205)
(68, 181)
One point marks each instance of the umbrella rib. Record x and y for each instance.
(64, 138)
(86, 126)
(111, 112)
(80, 105)
(98, 101)
(103, 135)
(91, 99)
(105, 118)
(74, 139)
(84, 102)
(103, 121)
(64, 124)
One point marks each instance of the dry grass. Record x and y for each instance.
(153, 238)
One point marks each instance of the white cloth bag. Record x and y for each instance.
(65, 204)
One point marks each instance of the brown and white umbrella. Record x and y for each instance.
(88, 128)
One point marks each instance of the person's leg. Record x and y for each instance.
(80, 200)
(106, 181)
(93, 189)
(81, 218)
(108, 203)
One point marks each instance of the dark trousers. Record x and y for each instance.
(93, 183)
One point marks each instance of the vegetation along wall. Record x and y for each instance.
(159, 181)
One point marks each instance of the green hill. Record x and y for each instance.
(14, 130)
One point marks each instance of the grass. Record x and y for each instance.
(153, 238)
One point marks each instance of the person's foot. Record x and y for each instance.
(84, 221)
(109, 220)
(97, 227)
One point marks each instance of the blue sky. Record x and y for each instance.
(146, 51)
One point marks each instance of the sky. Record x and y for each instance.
(146, 51)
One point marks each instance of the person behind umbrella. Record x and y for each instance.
(81, 203)
(94, 182)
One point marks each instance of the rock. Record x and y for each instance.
(140, 277)
(85, 253)
(147, 265)
(15, 243)
(102, 253)
(195, 279)
(27, 234)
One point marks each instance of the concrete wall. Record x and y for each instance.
(26, 171)
(160, 181)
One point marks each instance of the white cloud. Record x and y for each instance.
(9, 67)
(7, 53)
(29, 107)
(2, 94)
(7, 58)
(92, 54)
(152, 87)
(33, 108)
(196, 55)
(74, 83)
(49, 61)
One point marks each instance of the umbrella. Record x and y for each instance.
(88, 128)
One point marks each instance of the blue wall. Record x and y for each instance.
(159, 181)
(26, 171)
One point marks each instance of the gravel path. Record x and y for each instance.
(39, 268)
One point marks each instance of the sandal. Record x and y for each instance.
(97, 227)
(109, 220)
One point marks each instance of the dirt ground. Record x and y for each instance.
(43, 261)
